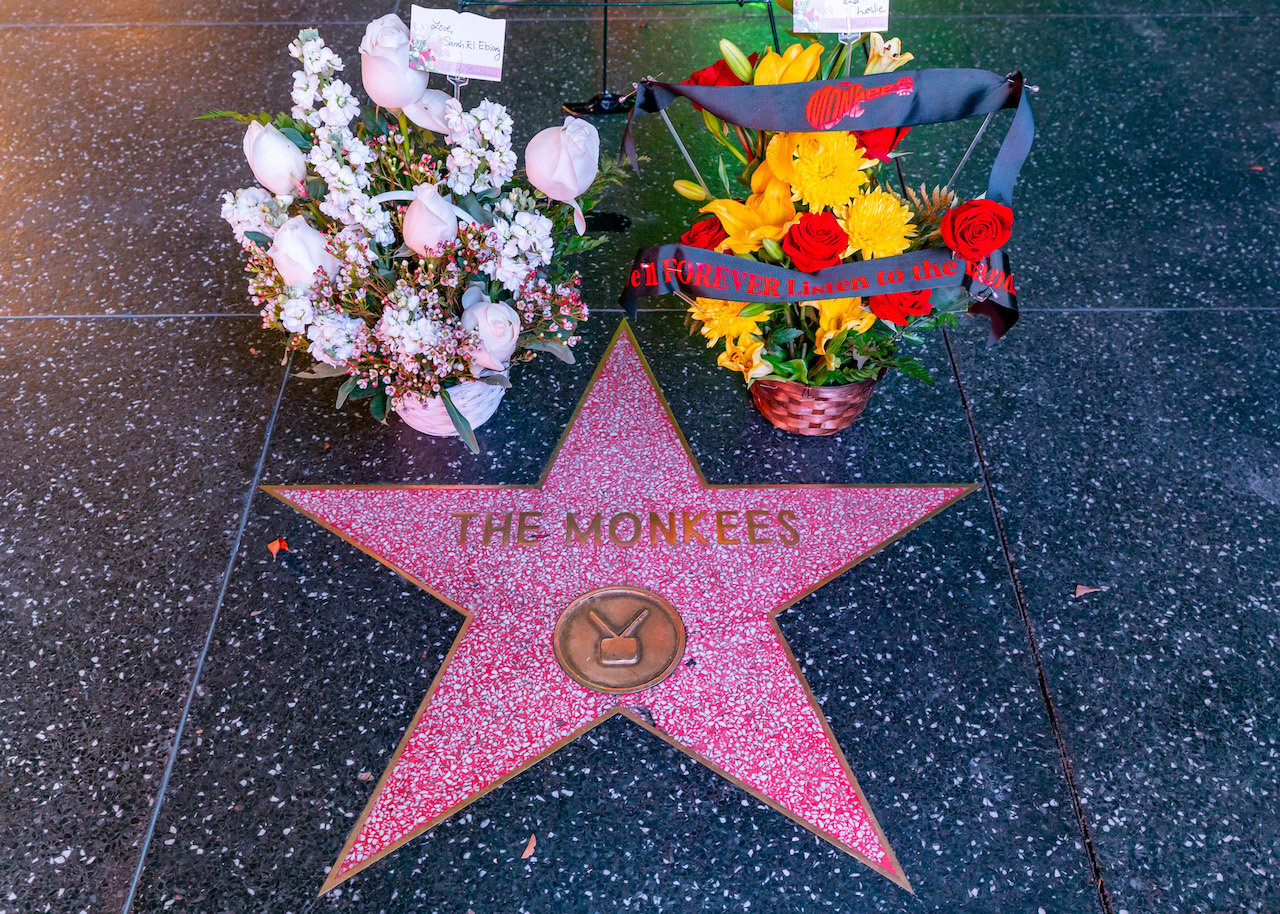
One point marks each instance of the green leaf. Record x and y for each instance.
(345, 391)
(555, 347)
(460, 423)
(316, 188)
(295, 136)
(755, 308)
(724, 178)
(263, 241)
(378, 406)
(795, 370)
(234, 115)
(784, 335)
(913, 369)
(471, 205)
(497, 380)
(319, 371)
(364, 393)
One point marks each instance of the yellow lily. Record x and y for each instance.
(794, 65)
(836, 315)
(743, 355)
(885, 56)
(767, 214)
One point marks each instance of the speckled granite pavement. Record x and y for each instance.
(188, 725)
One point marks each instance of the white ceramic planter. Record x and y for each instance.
(476, 400)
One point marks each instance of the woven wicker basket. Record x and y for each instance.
(804, 410)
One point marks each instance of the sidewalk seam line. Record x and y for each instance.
(208, 641)
(1104, 897)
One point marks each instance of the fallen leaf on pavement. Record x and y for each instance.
(276, 545)
(1082, 589)
(528, 848)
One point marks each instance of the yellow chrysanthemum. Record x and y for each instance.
(828, 169)
(794, 65)
(721, 319)
(836, 315)
(878, 224)
(743, 354)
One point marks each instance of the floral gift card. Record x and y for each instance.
(843, 16)
(456, 44)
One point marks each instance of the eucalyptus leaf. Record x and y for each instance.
(345, 391)
(295, 136)
(497, 380)
(555, 347)
(378, 406)
(471, 205)
(460, 422)
(319, 371)
(263, 241)
(316, 188)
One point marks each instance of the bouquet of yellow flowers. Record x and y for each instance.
(802, 205)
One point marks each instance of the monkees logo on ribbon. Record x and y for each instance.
(875, 101)
(831, 104)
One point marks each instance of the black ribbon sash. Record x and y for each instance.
(860, 103)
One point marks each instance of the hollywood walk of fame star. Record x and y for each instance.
(622, 584)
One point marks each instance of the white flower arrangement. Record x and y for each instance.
(409, 301)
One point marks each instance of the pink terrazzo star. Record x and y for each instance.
(735, 702)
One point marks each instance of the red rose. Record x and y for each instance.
(718, 74)
(878, 143)
(896, 307)
(707, 233)
(975, 229)
(815, 242)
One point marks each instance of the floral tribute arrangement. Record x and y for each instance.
(841, 261)
(397, 244)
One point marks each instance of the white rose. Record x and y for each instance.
(384, 64)
(563, 161)
(430, 220)
(277, 164)
(428, 111)
(498, 326)
(298, 252)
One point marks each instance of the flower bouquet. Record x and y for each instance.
(397, 244)
(815, 260)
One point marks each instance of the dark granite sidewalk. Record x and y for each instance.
(190, 725)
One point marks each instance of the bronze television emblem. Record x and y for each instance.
(619, 639)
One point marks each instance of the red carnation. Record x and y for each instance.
(878, 143)
(896, 307)
(707, 233)
(815, 242)
(975, 229)
(718, 74)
